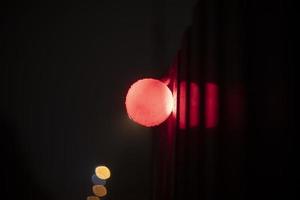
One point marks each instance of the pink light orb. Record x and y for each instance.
(149, 102)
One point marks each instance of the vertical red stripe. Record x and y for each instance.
(194, 105)
(211, 105)
(182, 106)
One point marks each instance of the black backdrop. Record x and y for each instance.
(65, 68)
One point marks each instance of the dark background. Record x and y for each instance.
(246, 48)
(65, 70)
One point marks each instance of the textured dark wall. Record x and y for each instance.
(245, 48)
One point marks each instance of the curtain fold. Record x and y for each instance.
(229, 135)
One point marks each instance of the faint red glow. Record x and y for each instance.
(235, 107)
(182, 105)
(174, 100)
(194, 105)
(211, 105)
(166, 80)
(171, 125)
(149, 102)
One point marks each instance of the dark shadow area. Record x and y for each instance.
(65, 68)
(244, 145)
(17, 179)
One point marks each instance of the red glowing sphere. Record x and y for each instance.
(149, 102)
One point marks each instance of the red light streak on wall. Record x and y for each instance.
(174, 92)
(211, 105)
(194, 105)
(182, 105)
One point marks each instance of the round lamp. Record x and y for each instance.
(149, 102)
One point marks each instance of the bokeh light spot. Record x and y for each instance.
(92, 198)
(99, 190)
(102, 172)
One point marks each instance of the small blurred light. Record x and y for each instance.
(98, 181)
(102, 172)
(92, 198)
(99, 190)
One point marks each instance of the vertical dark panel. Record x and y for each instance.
(237, 53)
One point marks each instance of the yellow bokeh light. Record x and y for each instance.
(92, 198)
(99, 190)
(102, 172)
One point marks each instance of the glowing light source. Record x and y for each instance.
(99, 190)
(149, 102)
(98, 181)
(92, 198)
(102, 172)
